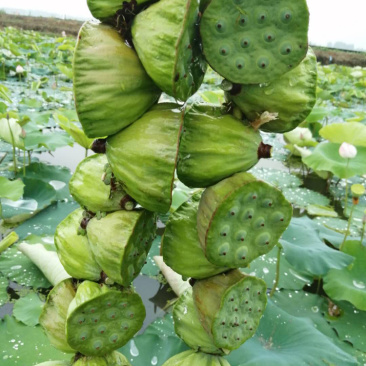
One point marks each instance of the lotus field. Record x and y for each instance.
(209, 208)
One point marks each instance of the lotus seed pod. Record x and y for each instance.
(240, 219)
(54, 312)
(254, 41)
(111, 359)
(108, 79)
(181, 247)
(292, 97)
(214, 146)
(143, 156)
(166, 39)
(230, 306)
(194, 358)
(74, 250)
(188, 327)
(121, 241)
(90, 191)
(101, 320)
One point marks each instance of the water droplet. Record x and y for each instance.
(154, 360)
(133, 349)
(314, 309)
(359, 284)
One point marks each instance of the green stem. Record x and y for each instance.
(13, 144)
(363, 231)
(86, 153)
(29, 157)
(277, 280)
(9, 240)
(318, 286)
(348, 226)
(24, 163)
(346, 198)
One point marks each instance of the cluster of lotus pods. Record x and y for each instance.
(123, 63)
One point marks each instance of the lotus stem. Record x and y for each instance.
(348, 226)
(347, 188)
(277, 280)
(13, 144)
(9, 240)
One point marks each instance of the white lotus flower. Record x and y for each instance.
(63, 33)
(19, 69)
(347, 151)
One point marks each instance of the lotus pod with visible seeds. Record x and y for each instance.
(181, 247)
(292, 97)
(194, 358)
(100, 319)
(54, 313)
(121, 241)
(143, 156)
(240, 219)
(111, 359)
(74, 250)
(166, 39)
(108, 80)
(230, 306)
(254, 41)
(188, 327)
(89, 190)
(214, 146)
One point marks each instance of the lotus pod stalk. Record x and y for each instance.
(230, 306)
(121, 241)
(291, 97)
(181, 247)
(102, 319)
(90, 190)
(167, 41)
(188, 327)
(108, 79)
(214, 146)
(74, 250)
(254, 41)
(143, 156)
(240, 219)
(194, 358)
(54, 314)
(110, 359)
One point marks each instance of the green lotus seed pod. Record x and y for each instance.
(104, 10)
(292, 97)
(90, 191)
(167, 41)
(254, 41)
(143, 156)
(121, 241)
(101, 320)
(74, 250)
(181, 247)
(110, 359)
(54, 363)
(54, 312)
(108, 80)
(214, 146)
(230, 306)
(188, 327)
(240, 219)
(193, 358)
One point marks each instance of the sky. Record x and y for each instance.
(331, 21)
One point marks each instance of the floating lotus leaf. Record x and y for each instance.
(352, 132)
(108, 79)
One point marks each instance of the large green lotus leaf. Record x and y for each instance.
(350, 324)
(143, 156)
(25, 345)
(10, 131)
(349, 283)
(292, 96)
(28, 309)
(37, 196)
(11, 189)
(337, 225)
(326, 157)
(4, 283)
(279, 178)
(167, 41)
(17, 267)
(264, 267)
(305, 250)
(352, 132)
(111, 87)
(46, 221)
(150, 268)
(302, 197)
(284, 340)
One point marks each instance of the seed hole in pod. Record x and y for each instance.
(224, 51)
(102, 329)
(220, 26)
(225, 337)
(83, 336)
(124, 326)
(263, 239)
(97, 345)
(189, 46)
(223, 323)
(92, 310)
(258, 292)
(263, 62)
(250, 309)
(123, 305)
(238, 339)
(247, 302)
(113, 338)
(250, 328)
(286, 16)
(243, 20)
(132, 315)
(232, 299)
(241, 253)
(245, 42)
(236, 309)
(259, 310)
(286, 49)
(245, 322)
(95, 319)
(81, 319)
(239, 64)
(176, 78)
(224, 249)
(262, 18)
(269, 37)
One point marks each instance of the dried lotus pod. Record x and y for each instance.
(121, 241)
(194, 358)
(54, 313)
(102, 319)
(240, 219)
(230, 306)
(74, 250)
